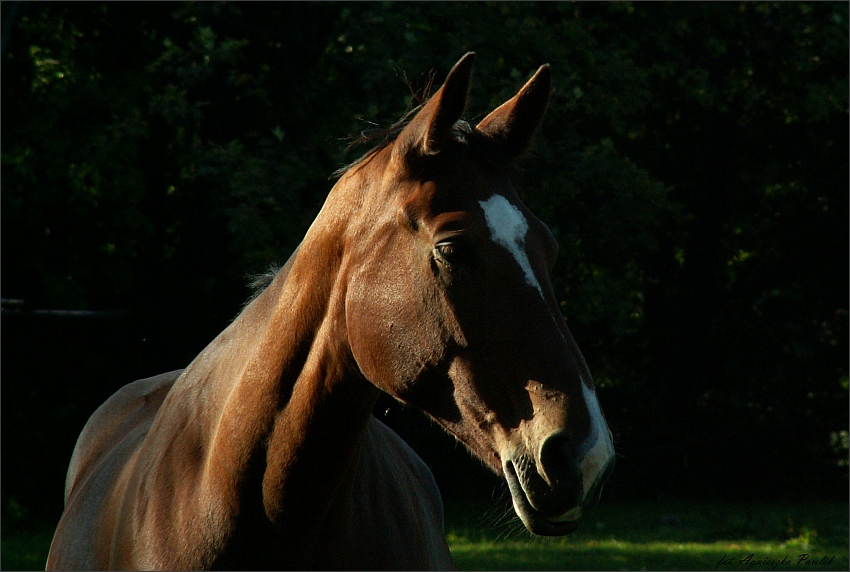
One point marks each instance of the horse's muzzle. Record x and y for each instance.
(550, 496)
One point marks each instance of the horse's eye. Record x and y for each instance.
(446, 250)
(441, 255)
(449, 257)
(450, 252)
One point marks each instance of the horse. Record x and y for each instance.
(423, 276)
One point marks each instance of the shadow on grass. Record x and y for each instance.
(25, 549)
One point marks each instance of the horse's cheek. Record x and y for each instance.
(392, 339)
(372, 337)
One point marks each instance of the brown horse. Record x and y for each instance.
(423, 276)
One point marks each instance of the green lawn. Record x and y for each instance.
(634, 536)
(644, 536)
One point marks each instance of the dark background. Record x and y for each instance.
(693, 166)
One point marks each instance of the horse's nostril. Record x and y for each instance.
(557, 458)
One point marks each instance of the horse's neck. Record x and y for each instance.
(285, 401)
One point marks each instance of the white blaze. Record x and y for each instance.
(598, 451)
(599, 448)
(508, 229)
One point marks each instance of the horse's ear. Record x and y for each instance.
(513, 123)
(431, 127)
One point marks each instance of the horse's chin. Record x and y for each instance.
(533, 519)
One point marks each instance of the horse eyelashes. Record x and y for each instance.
(441, 263)
(453, 252)
(446, 250)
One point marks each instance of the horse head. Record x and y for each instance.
(449, 305)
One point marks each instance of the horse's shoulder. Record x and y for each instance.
(403, 490)
(130, 406)
(401, 458)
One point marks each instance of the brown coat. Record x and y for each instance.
(423, 276)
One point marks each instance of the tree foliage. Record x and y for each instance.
(693, 167)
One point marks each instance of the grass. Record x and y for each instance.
(681, 536)
(633, 536)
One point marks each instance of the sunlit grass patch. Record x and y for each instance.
(624, 555)
(652, 537)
